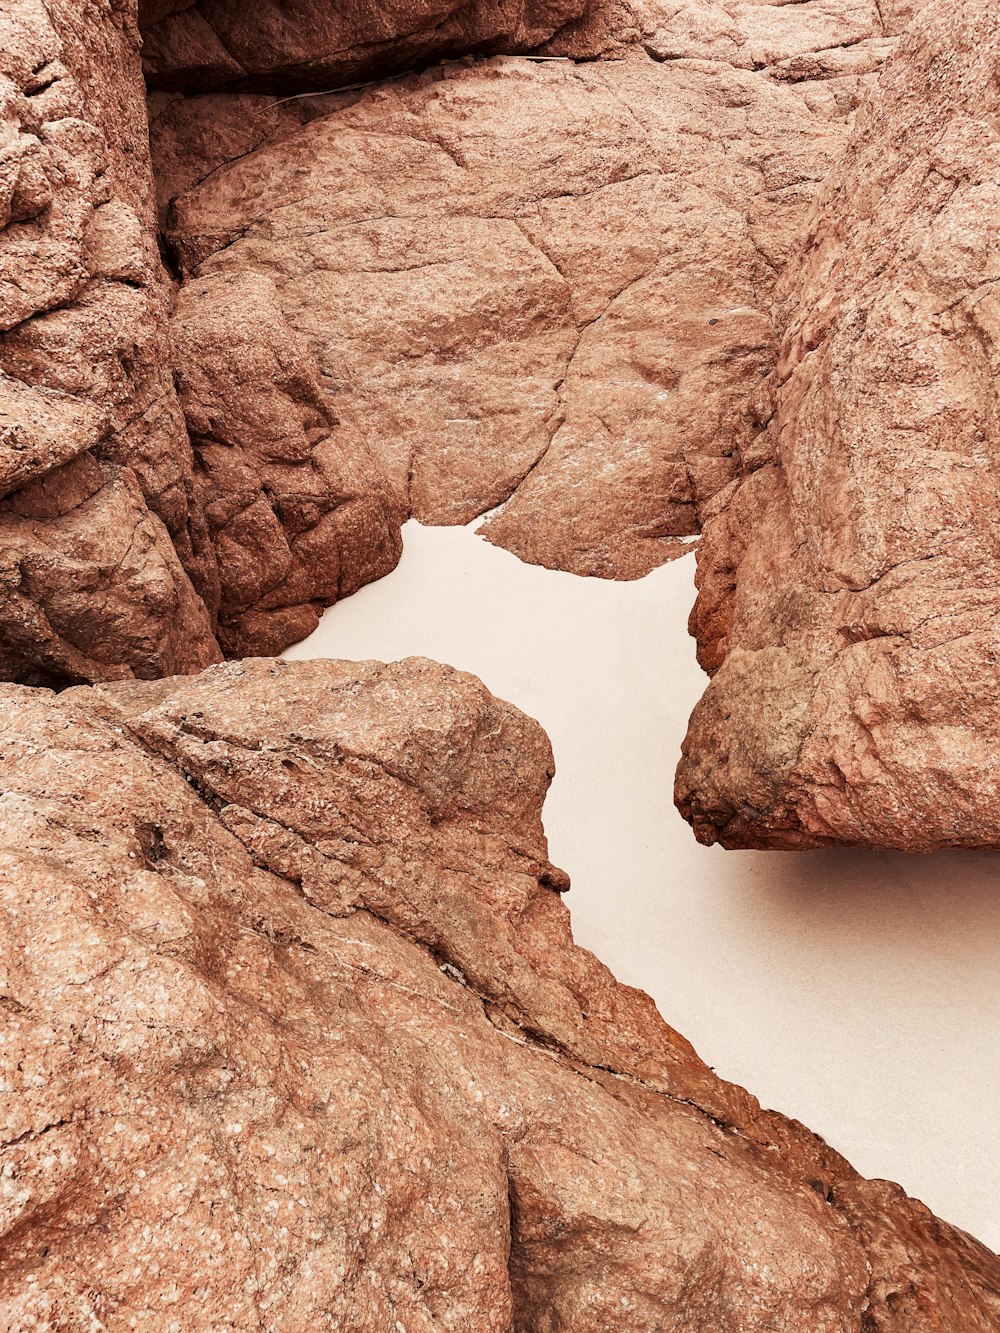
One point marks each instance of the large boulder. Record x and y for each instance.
(542, 285)
(296, 1037)
(122, 552)
(105, 565)
(848, 583)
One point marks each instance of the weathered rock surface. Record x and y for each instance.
(100, 535)
(297, 511)
(121, 552)
(296, 1037)
(541, 279)
(546, 287)
(848, 584)
(798, 42)
(208, 45)
(295, 1034)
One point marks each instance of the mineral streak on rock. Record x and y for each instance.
(848, 582)
(296, 1037)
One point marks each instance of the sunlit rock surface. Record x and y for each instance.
(848, 583)
(296, 1035)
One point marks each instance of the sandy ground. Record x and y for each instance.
(857, 992)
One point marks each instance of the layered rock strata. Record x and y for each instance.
(296, 1037)
(847, 600)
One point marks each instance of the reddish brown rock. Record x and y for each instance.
(95, 465)
(208, 45)
(848, 584)
(297, 1037)
(828, 48)
(474, 341)
(90, 586)
(297, 511)
(251, 542)
(816, 38)
(545, 280)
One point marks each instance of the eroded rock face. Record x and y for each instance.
(516, 355)
(545, 280)
(297, 510)
(121, 552)
(100, 533)
(296, 1035)
(848, 584)
(546, 287)
(208, 45)
(795, 42)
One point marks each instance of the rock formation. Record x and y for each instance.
(100, 532)
(121, 552)
(848, 583)
(208, 45)
(452, 334)
(799, 42)
(297, 510)
(443, 243)
(297, 1037)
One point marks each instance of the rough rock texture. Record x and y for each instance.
(121, 552)
(523, 356)
(297, 510)
(542, 286)
(848, 584)
(546, 279)
(790, 40)
(294, 1032)
(95, 465)
(295, 44)
(296, 1037)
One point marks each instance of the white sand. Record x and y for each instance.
(857, 992)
